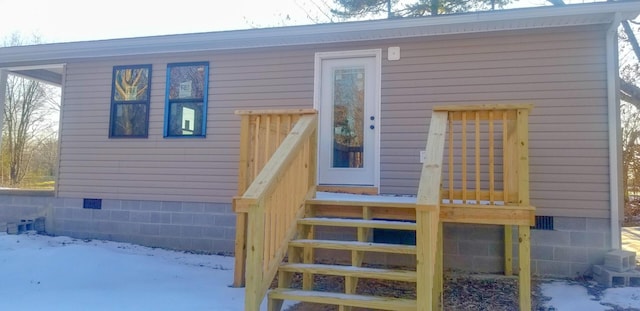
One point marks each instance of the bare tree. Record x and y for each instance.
(27, 125)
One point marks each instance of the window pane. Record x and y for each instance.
(185, 119)
(130, 84)
(130, 120)
(186, 82)
(348, 109)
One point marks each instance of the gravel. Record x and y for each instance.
(461, 292)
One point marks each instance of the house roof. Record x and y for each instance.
(528, 18)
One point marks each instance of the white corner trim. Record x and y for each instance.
(61, 117)
(616, 199)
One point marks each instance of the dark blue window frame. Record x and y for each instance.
(174, 122)
(114, 131)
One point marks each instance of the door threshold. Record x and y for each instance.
(348, 189)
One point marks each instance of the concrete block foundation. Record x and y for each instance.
(570, 250)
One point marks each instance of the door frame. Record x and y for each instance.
(317, 84)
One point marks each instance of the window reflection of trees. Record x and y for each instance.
(348, 117)
(131, 120)
(187, 74)
(131, 84)
(130, 96)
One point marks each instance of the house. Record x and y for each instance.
(149, 138)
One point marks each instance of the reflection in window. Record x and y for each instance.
(348, 110)
(186, 109)
(130, 101)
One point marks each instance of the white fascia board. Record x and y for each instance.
(517, 19)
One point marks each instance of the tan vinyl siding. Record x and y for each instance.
(562, 72)
(172, 169)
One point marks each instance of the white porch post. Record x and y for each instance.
(615, 135)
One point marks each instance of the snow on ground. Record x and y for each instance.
(60, 273)
(566, 296)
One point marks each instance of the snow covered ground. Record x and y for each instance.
(60, 273)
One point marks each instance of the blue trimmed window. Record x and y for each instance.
(130, 95)
(186, 100)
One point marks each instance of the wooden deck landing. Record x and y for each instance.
(404, 208)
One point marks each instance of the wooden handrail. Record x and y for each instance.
(275, 200)
(275, 112)
(261, 134)
(485, 107)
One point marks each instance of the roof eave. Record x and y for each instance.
(530, 18)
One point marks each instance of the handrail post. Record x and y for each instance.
(524, 245)
(428, 214)
(255, 257)
(510, 165)
(241, 218)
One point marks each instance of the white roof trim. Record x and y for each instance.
(529, 18)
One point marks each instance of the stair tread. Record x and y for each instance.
(355, 245)
(361, 272)
(358, 223)
(362, 301)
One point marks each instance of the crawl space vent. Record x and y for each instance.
(92, 203)
(543, 223)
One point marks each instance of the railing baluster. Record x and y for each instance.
(505, 158)
(279, 136)
(256, 148)
(267, 140)
(464, 156)
(492, 177)
(451, 167)
(477, 154)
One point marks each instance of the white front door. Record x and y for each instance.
(348, 98)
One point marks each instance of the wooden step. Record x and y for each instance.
(351, 271)
(369, 302)
(402, 203)
(357, 246)
(359, 223)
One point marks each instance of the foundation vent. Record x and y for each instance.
(92, 203)
(543, 223)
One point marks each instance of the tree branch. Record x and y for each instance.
(630, 93)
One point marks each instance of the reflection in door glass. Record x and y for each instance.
(348, 117)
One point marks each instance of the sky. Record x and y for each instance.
(81, 20)
(60, 273)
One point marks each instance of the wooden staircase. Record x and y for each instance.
(280, 222)
(359, 244)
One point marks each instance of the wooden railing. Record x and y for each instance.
(487, 163)
(274, 201)
(261, 133)
(485, 154)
